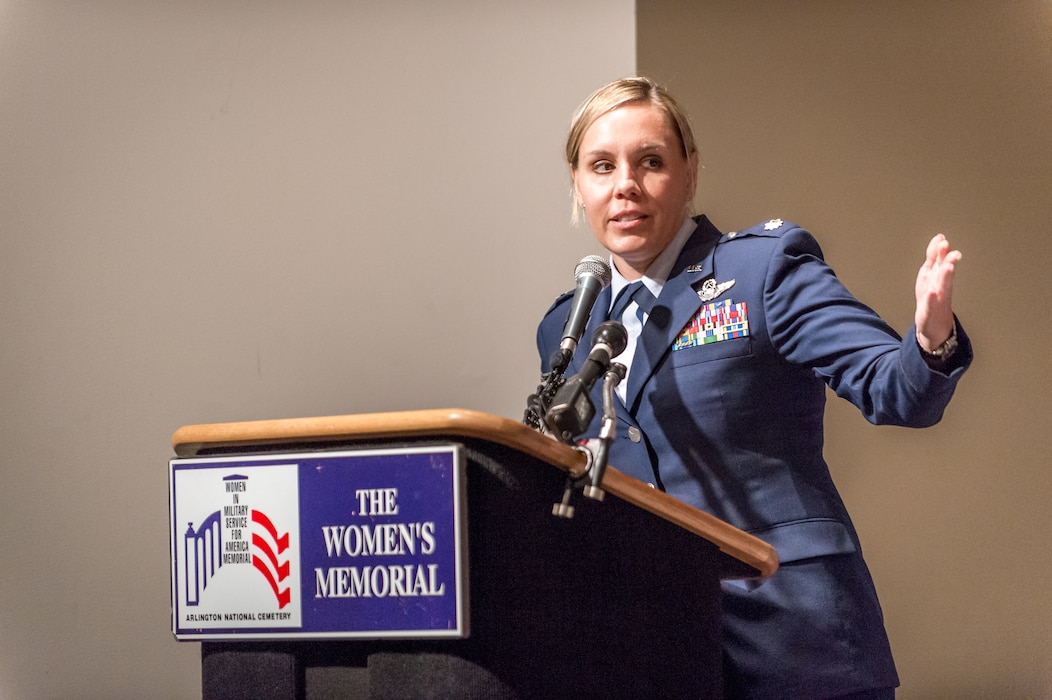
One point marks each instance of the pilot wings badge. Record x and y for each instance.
(710, 289)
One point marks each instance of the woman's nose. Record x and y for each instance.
(627, 184)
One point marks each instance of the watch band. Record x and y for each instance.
(945, 350)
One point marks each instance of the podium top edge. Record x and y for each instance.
(190, 440)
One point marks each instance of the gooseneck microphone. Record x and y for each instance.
(592, 275)
(572, 410)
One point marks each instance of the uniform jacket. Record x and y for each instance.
(724, 410)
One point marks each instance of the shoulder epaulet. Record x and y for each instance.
(561, 299)
(773, 227)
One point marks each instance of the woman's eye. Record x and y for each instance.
(603, 166)
(652, 162)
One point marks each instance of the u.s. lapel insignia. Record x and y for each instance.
(696, 267)
(710, 289)
(773, 224)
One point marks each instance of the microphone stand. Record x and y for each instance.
(597, 458)
(538, 402)
(607, 432)
(562, 408)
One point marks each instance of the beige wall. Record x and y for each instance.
(219, 211)
(226, 211)
(875, 125)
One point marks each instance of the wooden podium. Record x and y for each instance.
(622, 600)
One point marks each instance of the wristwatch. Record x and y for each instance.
(945, 350)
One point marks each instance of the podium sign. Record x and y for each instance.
(354, 544)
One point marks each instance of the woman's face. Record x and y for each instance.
(635, 183)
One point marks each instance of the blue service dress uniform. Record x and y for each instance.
(724, 410)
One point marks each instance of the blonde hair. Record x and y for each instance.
(617, 94)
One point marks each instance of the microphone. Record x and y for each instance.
(572, 410)
(592, 275)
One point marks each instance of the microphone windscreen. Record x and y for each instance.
(595, 266)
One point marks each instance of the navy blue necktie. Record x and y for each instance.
(637, 292)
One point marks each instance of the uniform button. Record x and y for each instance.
(653, 486)
(634, 435)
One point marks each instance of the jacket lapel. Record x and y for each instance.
(675, 307)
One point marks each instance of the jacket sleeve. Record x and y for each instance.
(815, 322)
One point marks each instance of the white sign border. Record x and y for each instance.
(462, 627)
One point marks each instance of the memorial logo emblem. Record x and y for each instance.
(237, 563)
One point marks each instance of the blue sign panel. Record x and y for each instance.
(320, 545)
